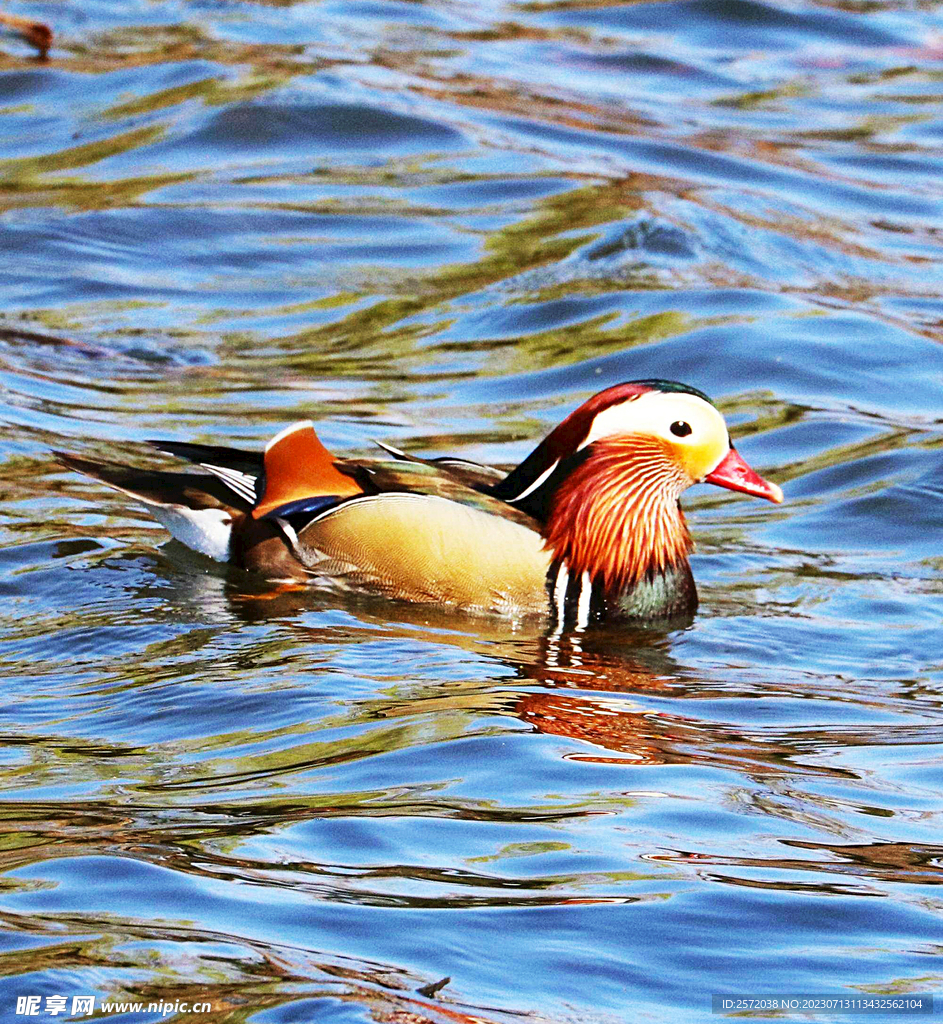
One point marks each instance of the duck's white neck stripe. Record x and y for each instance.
(533, 487)
(559, 594)
(585, 600)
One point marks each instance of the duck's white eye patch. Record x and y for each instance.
(675, 417)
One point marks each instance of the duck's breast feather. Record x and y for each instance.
(426, 548)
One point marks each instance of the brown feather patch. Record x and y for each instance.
(259, 546)
(617, 517)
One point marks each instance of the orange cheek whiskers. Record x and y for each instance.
(616, 516)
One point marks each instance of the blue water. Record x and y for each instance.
(444, 225)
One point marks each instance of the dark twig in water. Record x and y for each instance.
(430, 990)
(34, 32)
(15, 334)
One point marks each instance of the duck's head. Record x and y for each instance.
(605, 483)
(690, 430)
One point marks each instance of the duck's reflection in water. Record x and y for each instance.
(617, 692)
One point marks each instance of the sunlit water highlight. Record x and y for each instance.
(444, 225)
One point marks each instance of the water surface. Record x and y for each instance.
(444, 225)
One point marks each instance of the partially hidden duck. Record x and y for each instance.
(587, 528)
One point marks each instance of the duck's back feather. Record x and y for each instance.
(430, 479)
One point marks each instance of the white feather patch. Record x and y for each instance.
(206, 530)
(241, 483)
(533, 487)
(395, 452)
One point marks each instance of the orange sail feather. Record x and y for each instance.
(298, 466)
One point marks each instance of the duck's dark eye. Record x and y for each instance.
(680, 429)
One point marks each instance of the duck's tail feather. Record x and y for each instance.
(198, 510)
(157, 487)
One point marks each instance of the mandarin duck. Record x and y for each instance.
(587, 528)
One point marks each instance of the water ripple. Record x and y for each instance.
(444, 226)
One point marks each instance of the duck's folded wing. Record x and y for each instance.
(237, 468)
(426, 548)
(230, 458)
(472, 474)
(432, 480)
(158, 487)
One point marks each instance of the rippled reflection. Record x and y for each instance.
(444, 226)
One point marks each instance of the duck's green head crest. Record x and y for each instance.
(671, 386)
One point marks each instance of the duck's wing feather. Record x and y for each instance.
(302, 477)
(237, 468)
(424, 478)
(472, 474)
(296, 467)
(238, 459)
(428, 548)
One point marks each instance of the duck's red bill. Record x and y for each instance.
(734, 474)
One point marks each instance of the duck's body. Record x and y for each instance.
(587, 528)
